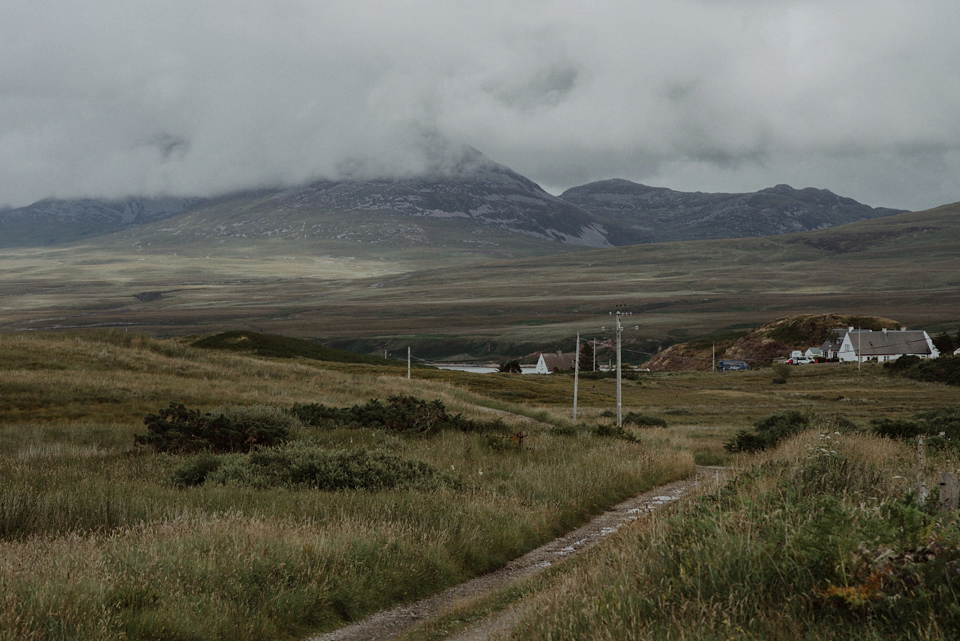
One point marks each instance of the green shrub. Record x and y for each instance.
(230, 429)
(400, 414)
(299, 466)
(612, 430)
(745, 441)
(510, 367)
(895, 428)
(644, 420)
(769, 431)
(945, 369)
(195, 471)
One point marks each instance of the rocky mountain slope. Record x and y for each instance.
(657, 214)
(463, 198)
(49, 222)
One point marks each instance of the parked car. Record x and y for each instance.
(728, 365)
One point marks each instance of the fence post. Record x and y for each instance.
(949, 490)
(921, 461)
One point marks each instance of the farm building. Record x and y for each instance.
(550, 362)
(867, 345)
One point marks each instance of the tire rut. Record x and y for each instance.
(388, 624)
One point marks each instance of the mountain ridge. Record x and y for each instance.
(462, 198)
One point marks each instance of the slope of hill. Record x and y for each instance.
(465, 200)
(657, 214)
(49, 222)
(903, 266)
(762, 345)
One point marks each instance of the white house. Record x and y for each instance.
(814, 352)
(886, 345)
(554, 362)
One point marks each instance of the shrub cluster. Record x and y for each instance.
(944, 421)
(298, 466)
(644, 420)
(945, 369)
(768, 432)
(230, 428)
(400, 414)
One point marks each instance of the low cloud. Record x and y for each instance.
(111, 99)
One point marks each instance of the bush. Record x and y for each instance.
(195, 471)
(613, 430)
(895, 428)
(781, 372)
(230, 429)
(644, 420)
(769, 431)
(300, 467)
(945, 369)
(510, 367)
(944, 420)
(400, 414)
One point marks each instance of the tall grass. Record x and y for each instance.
(98, 542)
(819, 539)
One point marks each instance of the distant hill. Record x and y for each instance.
(273, 346)
(50, 222)
(657, 214)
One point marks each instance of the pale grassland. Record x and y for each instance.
(97, 543)
(899, 267)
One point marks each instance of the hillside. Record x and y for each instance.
(763, 345)
(464, 205)
(657, 214)
(903, 266)
(50, 222)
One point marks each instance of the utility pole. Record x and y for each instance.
(859, 351)
(594, 354)
(576, 377)
(408, 362)
(619, 375)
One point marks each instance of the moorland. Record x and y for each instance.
(107, 536)
(444, 303)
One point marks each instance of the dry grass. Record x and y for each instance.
(97, 543)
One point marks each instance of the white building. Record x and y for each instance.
(549, 363)
(886, 345)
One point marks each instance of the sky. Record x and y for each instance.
(199, 97)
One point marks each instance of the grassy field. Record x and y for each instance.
(901, 267)
(819, 539)
(97, 540)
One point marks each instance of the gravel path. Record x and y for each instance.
(390, 623)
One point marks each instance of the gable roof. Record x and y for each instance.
(884, 343)
(557, 361)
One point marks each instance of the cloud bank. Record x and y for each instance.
(110, 98)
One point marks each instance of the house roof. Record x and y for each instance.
(883, 343)
(557, 361)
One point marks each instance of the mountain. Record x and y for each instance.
(657, 214)
(49, 222)
(463, 198)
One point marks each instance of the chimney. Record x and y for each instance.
(884, 330)
(560, 353)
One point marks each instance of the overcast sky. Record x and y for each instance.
(192, 97)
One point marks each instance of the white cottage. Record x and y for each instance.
(554, 362)
(886, 345)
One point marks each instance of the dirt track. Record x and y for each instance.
(390, 623)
